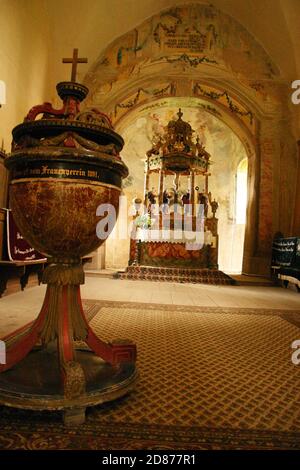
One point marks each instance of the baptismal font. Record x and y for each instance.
(63, 167)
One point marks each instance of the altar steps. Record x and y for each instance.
(107, 273)
(236, 279)
(182, 275)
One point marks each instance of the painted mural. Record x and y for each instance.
(186, 36)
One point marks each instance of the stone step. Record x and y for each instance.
(181, 275)
(107, 273)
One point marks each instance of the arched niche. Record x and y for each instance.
(226, 150)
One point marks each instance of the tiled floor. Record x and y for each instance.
(18, 309)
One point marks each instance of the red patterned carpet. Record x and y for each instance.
(210, 378)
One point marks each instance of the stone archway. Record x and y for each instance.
(226, 151)
(199, 52)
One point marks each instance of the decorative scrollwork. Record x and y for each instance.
(156, 93)
(193, 62)
(74, 380)
(216, 96)
(93, 116)
(210, 109)
(66, 139)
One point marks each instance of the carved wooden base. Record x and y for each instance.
(59, 376)
(35, 383)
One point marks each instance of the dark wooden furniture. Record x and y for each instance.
(14, 275)
(12, 270)
(286, 261)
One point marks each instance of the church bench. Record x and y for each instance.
(286, 260)
(16, 274)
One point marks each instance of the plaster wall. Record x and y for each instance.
(24, 58)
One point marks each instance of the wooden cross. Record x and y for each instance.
(74, 61)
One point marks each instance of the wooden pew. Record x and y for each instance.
(20, 271)
(286, 260)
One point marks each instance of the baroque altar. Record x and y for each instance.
(175, 228)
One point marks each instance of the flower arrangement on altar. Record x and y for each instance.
(144, 221)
